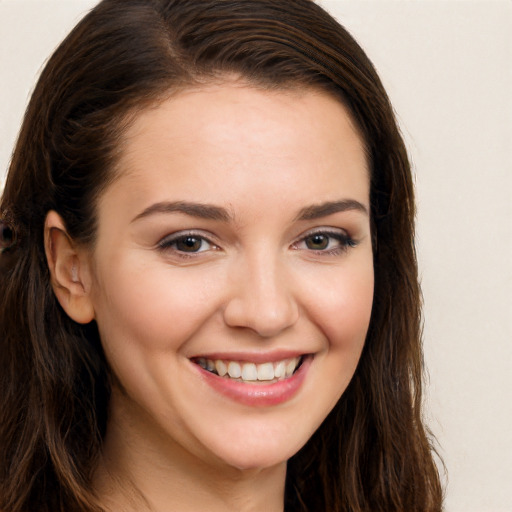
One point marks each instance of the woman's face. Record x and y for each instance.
(237, 238)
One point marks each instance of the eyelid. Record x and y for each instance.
(166, 242)
(345, 240)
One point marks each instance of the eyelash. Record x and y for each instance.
(344, 242)
(171, 242)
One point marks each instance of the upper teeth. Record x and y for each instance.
(251, 372)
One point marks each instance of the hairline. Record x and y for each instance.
(206, 81)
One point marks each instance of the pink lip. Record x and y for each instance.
(257, 395)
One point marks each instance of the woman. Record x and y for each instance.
(209, 288)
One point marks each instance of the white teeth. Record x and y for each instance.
(265, 371)
(251, 372)
(280, 370)
(221, 367)
(290, 367)
(234, 370)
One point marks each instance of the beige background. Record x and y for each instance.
(447, 66)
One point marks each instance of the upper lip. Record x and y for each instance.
(252, 357)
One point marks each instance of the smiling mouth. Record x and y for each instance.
(251, 372)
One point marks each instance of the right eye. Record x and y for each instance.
(186, 243)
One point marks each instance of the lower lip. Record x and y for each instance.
(258, 395)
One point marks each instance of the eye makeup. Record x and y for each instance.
(325, 241)
(187, 244)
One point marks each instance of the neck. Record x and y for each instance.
(144, 470)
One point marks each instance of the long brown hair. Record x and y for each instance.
(372, 453)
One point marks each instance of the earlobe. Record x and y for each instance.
(69, 270)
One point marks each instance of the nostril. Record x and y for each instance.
(260, 295)
(267, 319)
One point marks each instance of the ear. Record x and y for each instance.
(69, 270)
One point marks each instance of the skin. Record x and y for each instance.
(258, 283)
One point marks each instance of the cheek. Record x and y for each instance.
(151, 307)
(340, 306)
(343, 308)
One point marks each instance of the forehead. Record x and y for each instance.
(236, 136)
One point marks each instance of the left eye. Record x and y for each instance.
(186, 243)
(325, 242)
(319, 242)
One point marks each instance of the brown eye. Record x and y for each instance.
(186, 244)
(189, 244)
(326, 242)
(317, 242)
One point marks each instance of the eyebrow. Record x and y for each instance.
(200, 210)
(329, 208)
(212, 212)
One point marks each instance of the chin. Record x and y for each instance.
(257, 452)
(255, 461)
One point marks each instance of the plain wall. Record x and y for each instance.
(447, 66)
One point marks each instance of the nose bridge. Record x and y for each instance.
(261, 297)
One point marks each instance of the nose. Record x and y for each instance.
(261, 297)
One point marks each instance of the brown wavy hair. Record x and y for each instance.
(372, 453)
